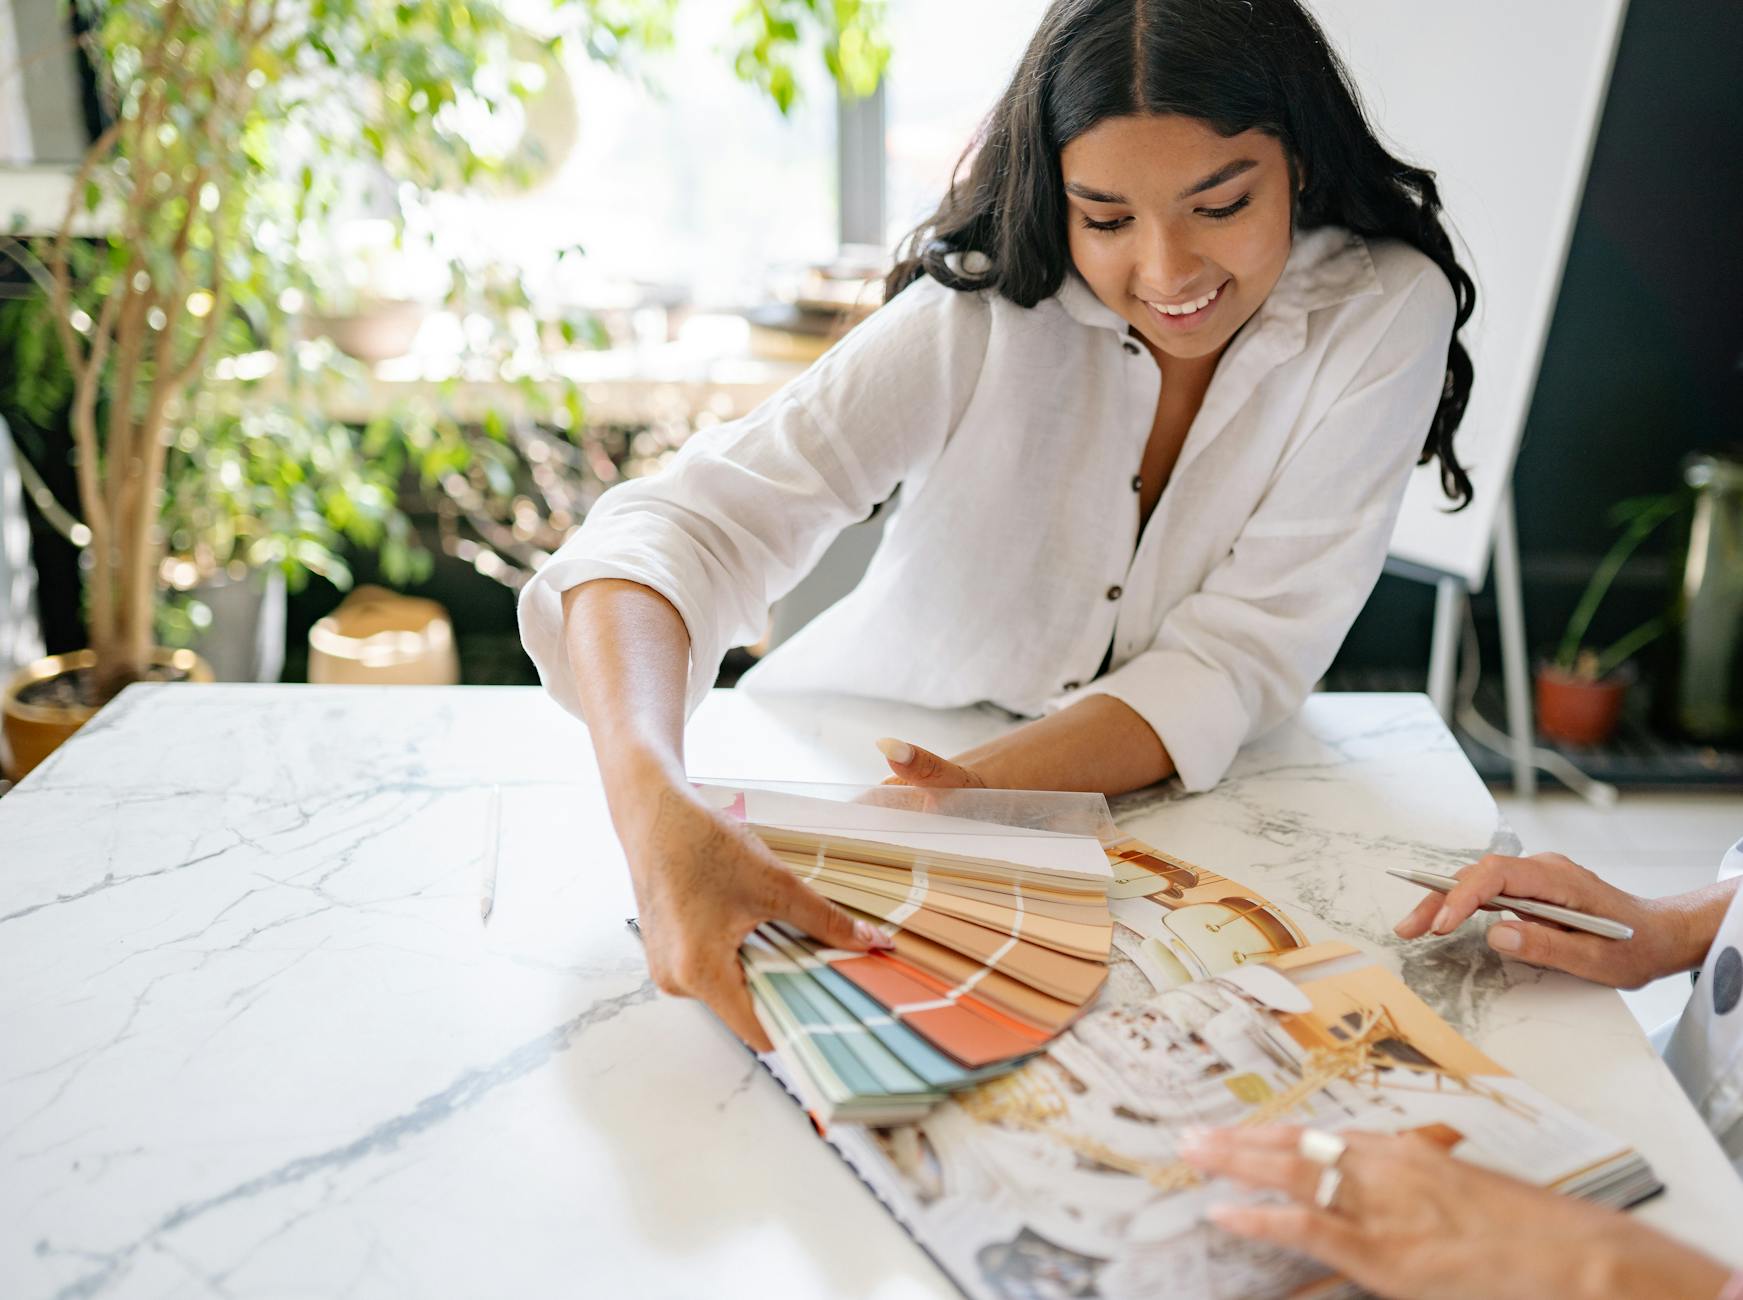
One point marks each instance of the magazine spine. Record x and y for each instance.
(847, 1159)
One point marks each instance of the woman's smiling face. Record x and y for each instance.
(1180, 230)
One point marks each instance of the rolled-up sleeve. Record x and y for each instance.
(745, 510)
(1239, 655)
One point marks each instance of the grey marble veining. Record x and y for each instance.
(255, 1042)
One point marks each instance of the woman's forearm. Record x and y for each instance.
(629, 653)
(1097, 744)
(702, 882)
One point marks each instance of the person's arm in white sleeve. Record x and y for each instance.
(629, 620)
(1239, 655)
(745, 510)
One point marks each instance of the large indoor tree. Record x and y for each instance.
(232, 125)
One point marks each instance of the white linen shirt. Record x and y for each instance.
(1013, 557)
(1705, 1051)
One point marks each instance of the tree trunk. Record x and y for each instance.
(131, 577)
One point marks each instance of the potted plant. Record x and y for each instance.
(158, 269)
(190, 93)
(1581, 690)
(182, 258)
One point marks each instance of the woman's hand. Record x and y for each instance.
(1666, 940)
(1097, 744)
(1409, 1220)
(915, 766)
(703, 882)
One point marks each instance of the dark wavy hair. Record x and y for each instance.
(1237, 65)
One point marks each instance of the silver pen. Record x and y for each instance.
(1573, 920)
(492, 846)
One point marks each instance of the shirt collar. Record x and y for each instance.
(1327, 266)
(1084, 307)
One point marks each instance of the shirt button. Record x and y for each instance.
(1131, 347)
(1137, 482)
(1070, 686)
(1114, 593)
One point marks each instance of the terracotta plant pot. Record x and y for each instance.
(1577, 710)
(34, 731)
(378, 637)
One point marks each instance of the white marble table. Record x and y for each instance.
(255, 1042)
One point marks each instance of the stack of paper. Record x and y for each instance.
(1001, 933)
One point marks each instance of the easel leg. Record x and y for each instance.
(1515, 672)
(1443, 654)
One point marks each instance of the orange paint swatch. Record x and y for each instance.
(964, 1028)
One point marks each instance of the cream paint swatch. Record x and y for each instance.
(1080, 939)
(1074, 979)
(1079, 908)
(870, 832)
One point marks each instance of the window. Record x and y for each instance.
(949, 62)
(698, 185)
(694, 183)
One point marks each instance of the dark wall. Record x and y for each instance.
(56, 559)
(1644, 362)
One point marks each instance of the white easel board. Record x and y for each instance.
(1501, 100)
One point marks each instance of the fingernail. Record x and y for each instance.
(1221, 1215)
(1443, 920)
(897, 751)
(869, 935)
(1504, 938)
(1399, 929)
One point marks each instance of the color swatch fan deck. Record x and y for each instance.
(996, 902)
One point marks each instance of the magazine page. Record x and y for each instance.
(1175, 922)
(1062, 1178)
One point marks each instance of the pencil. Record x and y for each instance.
(1598, 925)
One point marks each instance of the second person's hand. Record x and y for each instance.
(1411, 1221)
(1662, 944)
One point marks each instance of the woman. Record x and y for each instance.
(1407, 1219)
(1151, 381)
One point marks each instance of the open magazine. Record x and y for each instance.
(1055, 1172)
(1063, 1179)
